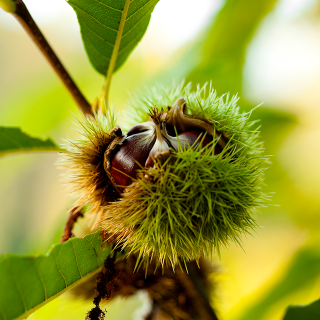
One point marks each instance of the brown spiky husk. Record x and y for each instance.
(86, 177)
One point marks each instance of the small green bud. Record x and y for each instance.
(8, 5)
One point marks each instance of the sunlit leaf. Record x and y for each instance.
(101, 28)
(221, 51)
(218, 54)
(29, 282)
(308, 312)
(303, 271)
(13, 140)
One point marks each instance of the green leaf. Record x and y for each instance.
(308, 312)
(220, 54)
(302, 271)
(111, 29)
(13, 140)
(28, 282)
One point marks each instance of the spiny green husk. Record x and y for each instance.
(203, 103)
(184, 209)
(187, 207)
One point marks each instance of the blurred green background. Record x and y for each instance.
(266, 51)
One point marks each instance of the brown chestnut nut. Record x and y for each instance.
(144, 141)
(132, 153)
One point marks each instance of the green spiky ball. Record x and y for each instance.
(188, 208)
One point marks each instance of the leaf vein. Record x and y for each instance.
(90, 29)
(88, 14)
(108, 6)
(137, 24)
(39, 275)
(55, 260)
(18, 288)
(114, 55)
(96, 50)
(128, 44)
(75, 254)
(128, 18)
(94, 249)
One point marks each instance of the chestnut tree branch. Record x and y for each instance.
(194, 287)
(23, 16)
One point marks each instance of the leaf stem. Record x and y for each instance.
(114, 56)
(23, 16)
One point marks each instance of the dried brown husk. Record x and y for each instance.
(84, 159)
(172, 298)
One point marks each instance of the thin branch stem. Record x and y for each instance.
(114, 56)
(194, 287)
(74, 214)
(23, 16)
